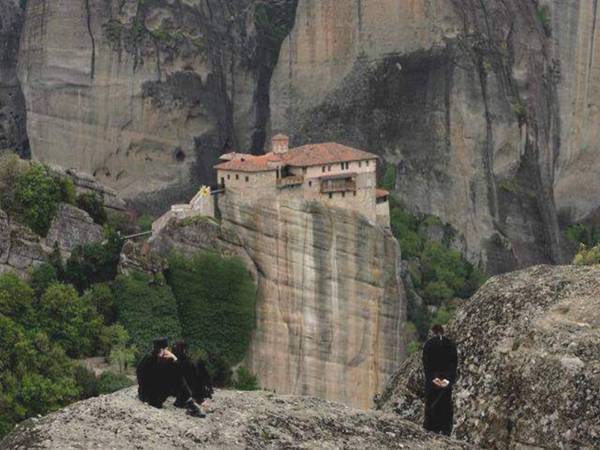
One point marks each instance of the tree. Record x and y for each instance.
(35, 375)
(16, 299)
(69, 320)
(94, 263)
(216, 300)
(42, 277)
(146, 309)
(101, 296)
(36, 198)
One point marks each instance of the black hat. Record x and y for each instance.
(160, 342)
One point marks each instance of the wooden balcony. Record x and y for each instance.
(342, 185)
(290, 181)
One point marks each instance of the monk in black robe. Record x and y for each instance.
(160, 376)
(195, 374)
(440, 361)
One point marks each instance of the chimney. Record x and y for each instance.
(279, 144)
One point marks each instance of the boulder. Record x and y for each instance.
(72, 227)
(529, 362)
(251, 420)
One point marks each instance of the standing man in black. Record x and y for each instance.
(440, 360)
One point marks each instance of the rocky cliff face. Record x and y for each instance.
(529, 363)
(21, 249)
(487, 108)
(330, 304)
(13, 135)
(145, 95)
(460, 95)
(251, 420)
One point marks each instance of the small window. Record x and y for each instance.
(222, 180)
(228, 176)
(367, 163)
(247, 179)
(347, 165)
(329, 168)
(309, 183)
(343, 166)
(343, 194)
(330, 195)
(323, 169)
(354, 193)
(237, 176)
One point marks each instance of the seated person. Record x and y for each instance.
(160, 375)
(196, 375)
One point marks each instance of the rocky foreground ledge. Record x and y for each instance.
(235, 420)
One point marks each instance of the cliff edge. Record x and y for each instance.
(235, 420)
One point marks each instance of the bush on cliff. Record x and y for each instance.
(216, 299)
(146, 308)
(587, 256)
(94, 263)
(94, 206)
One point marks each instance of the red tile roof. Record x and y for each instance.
(250, 163)
(326, 153)
(304, 156)
(381, 193)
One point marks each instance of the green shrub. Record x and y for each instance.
(67, 190)
(35, 375)
(245, 380)
(145, 222)
(216, 299)
(94, 206)
(16, 299)
(101, 296)
(389, 177)
(146, 308)
(86, 382)
(94, 263)
(69, 320)
(42, 277)
(219, 370)
(587, 256)
(36, 198)
(11, 168)
(109, 382)
(413, 347)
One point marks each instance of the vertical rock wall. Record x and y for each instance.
(13, 135)
(145, 95)
(330, 307)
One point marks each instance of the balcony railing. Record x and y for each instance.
(290, 181)
(328, 186)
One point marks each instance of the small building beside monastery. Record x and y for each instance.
(331, 173)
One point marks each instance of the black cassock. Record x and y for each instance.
(197, 378)
(439, 361)
(158, 379)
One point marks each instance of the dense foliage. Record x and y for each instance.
(216, 299)
(94, 263)
(146, 308)
(42, 325)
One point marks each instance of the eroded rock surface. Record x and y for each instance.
(145, 95)
(13, 135)
(252, 420)
(529, 364)
(72, 227)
